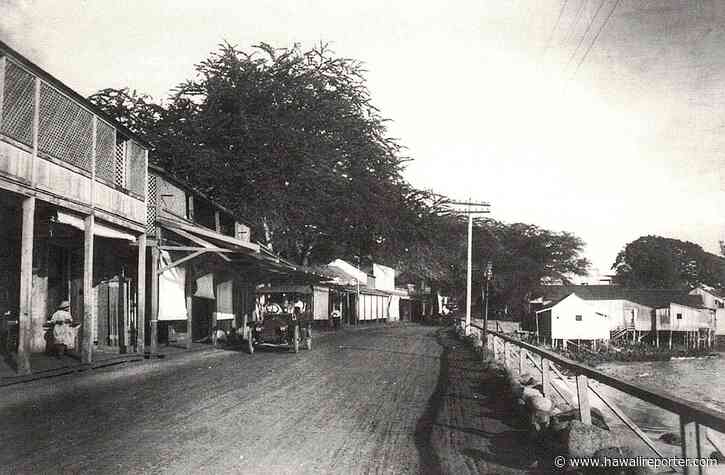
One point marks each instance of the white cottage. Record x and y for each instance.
(571, 318)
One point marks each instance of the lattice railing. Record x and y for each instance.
(119, 163)
(151, 203)
(136, 171)
(105, 151)
(18, 104)
(66, 129)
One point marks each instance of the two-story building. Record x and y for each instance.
(73, 214)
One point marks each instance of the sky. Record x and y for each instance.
(597, 117)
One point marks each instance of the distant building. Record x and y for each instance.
(640, 313)
(571, 318)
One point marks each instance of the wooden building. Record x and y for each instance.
(73, 208)
(203, 267)
(571, 319)
(643, 314)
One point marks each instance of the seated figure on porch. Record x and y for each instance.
(64, 332)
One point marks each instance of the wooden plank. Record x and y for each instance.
(190, 207)
(691, 442)
(207, 233)
(195, 248)
(89, 311)
(199, 241)
(545, 377)
(522, 360)
(179, 261)
(189, 307)
(154, 337)
(626, 420)
(2, 87)
(582, 392)
(26, 286)
(141, 296)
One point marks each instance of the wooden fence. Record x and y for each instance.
(695, 418)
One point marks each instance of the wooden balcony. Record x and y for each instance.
(56, 145)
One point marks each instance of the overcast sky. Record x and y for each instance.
(489, 96)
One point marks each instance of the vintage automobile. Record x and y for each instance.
(285, 329)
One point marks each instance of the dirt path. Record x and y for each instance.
(404, 399)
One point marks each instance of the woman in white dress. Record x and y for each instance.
(64, 333)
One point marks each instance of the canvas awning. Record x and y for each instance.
(99, 229)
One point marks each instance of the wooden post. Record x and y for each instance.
(154, 337)
(26, 285)
(141, 296)
(190, 207)
(522, 360)
(89, 311)
(189, 308)
(692, 437)
(582, 391)
(545, 377)
(217, 222)
(564, 343)
(213, 328)
(495, 347)
(506, 355)
(658, 338)
(670, 338)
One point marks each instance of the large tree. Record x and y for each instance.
(524, 256)
(664, 263)
(287, 137)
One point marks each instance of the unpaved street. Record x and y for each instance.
(384, 399)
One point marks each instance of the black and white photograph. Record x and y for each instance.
(362, 237)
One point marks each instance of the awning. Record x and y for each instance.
(99, 229)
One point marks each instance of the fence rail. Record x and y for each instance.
(695, 418)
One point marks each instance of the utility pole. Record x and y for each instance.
(470, 208)
(489, 274)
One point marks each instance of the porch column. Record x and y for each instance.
(141, 296)
(189, 304)
(154, 337)
(26, 285)
(89, 312)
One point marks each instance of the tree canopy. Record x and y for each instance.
(290, 138)
(664, 263)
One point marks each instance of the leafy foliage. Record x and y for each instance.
(664, 263)
(290, 139)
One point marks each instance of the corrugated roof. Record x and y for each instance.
(655, 298)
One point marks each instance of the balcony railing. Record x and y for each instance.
(34, 111)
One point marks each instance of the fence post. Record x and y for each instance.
(495, 347)
(522, 360)
(582, 392)
(692, 440)
(545, 377)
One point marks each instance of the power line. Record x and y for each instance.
(586, 32)
(575, 22)
(553, 31)
(591, 45)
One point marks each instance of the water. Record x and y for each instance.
(700, 380)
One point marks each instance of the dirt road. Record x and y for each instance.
(391, 399)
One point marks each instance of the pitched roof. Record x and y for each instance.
(655, 298)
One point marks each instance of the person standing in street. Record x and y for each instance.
(63, 330)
